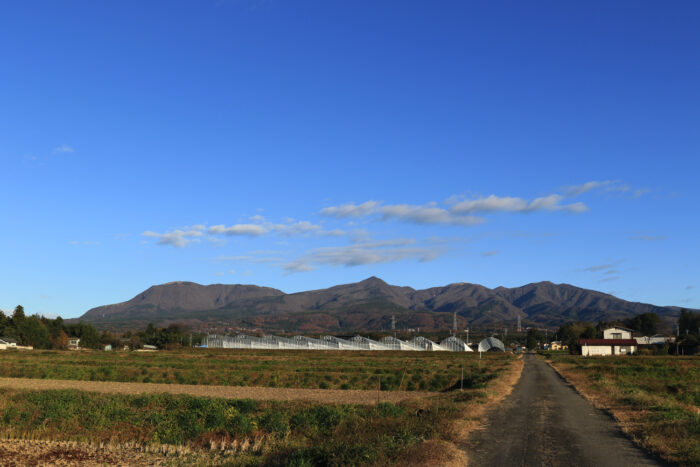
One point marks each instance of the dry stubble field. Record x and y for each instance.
(181, 429)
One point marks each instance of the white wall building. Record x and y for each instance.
(617, 332)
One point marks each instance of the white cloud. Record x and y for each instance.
(177, 238)
(351, 210)
(493, 203)
(427, 214)
(296, 228)
(64, 149)
(363, 254)
(486, 254)
(250, 230)
(459, 211)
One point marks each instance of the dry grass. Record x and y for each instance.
(646, 405)
(20, 453)
(327, 396)
(472, 417)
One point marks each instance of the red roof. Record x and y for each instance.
(608, 342)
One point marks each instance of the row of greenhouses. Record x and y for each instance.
(242, 341)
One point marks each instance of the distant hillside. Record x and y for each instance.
(366, 305)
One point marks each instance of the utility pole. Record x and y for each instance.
(520, 327)
(678, 334)
(454, 323)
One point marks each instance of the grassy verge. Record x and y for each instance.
(245, 432)
(655, 399)
(410, 371)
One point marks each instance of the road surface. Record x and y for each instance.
(545, 422)
(328, 396)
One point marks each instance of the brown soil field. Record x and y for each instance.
(330, 396)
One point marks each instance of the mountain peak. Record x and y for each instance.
(374, 280)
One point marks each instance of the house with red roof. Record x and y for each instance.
(616, 341)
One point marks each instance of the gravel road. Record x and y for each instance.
(228, 392)
(545, 422)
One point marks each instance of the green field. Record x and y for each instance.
(425, 371)
(656, 398)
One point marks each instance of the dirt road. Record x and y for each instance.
(545, 422)
(227, 392)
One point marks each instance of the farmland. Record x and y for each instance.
(410, 371)
(256, 432)
(655, 399)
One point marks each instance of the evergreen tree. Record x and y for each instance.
(18, 315)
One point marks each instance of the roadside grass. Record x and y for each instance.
(656, 399)
(246, 432)
(391, 371)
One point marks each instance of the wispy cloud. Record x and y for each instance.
(250, 230)
(576, 190)
(456, 210)
(608, 272)
(493, 203)
(63, 149)
(600, 267)
(363, 254)
(689, 287)
(178, 238)
(486, 254)
(426, 214)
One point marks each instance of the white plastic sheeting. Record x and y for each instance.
(455, 344)
(242, 341)
(491, 343)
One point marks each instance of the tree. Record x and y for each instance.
(33, 332)
(60, 342)
(646, 323)
(688, 323)
(533, 338)
(18, 315)
(572, 333)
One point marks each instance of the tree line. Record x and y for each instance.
(46, 333)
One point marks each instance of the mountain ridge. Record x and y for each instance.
(365, 305)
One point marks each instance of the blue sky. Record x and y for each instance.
(304, 144)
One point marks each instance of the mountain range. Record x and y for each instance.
(364, 306)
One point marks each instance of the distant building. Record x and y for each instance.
(617, 332)
(657, 339)
(558, 345)
(7, 343)
(603, 347)
(73, 343)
